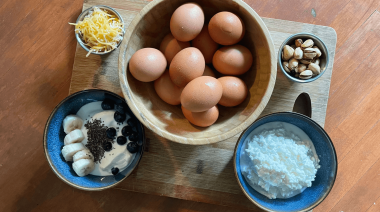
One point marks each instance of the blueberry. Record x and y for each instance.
(133, 136)
(132, 147)
(121, 140)
(121, 108)
(115, 170)
(107, 105)
(107, 146)
(132, 122)
(119, 117)
(111, 133)
(127, 131)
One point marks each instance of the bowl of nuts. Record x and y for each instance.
(303, 57)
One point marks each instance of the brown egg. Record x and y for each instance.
(147, 64)
(170, 47)
(201, 94)
(187, 21)
(166, 89)
(232, 60)
(205, 44)
(226, 28)
(208, 72)
(234, 91)
(187, 65)
(202, 119)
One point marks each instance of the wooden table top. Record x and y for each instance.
(35, 76)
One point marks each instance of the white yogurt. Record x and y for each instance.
(119, 156)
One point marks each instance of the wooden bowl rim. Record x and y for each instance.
(195, 141)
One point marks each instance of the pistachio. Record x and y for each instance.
(299, 42)
(301, 68)
(316, 61)
(298, 53)
(293, 63)
(314, 68)
(305, 61)
(287, 52)
(308, 43)
(308, 55)
(285, 65)
(317, 50)
(307, 74)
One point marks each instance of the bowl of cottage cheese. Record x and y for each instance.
(92, 140)
(285, 162)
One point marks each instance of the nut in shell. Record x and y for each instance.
(307, 74)
(307, 44)
(316, 61)
(301, 68)
(314, 68)
(317, 50)
(298, 53)
(305, 61)
(287, 52)
(310, 56)
(298, 42)
(293, 63)
(285, 65)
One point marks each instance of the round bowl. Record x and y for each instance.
(54, 136)
(84, 13)
(148, 29)
(324, 59)
(325, 176)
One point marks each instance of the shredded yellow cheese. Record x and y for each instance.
(100, 30)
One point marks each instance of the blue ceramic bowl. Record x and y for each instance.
(325, 176)
(54, 135)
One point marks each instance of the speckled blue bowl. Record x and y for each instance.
(325, 177)
(54, 135)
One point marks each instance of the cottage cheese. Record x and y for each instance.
(279, 160)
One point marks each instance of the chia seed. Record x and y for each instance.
(96, 133)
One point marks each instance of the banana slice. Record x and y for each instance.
(74, 136)
(83, 167)
(68, 151)
(83, 154)
(72, 122)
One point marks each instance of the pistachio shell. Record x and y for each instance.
(287, 52)
(293, 63)
(317, 50)
(285, 66)
(307, 55)
(305, 61)
(301, 68)
(316, 61)
(298, 53)
(308, 43)
(298, 42)
(314, 68)
(307, 74)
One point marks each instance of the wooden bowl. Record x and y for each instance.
(148, 29)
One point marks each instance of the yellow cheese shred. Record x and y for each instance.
(100, 30)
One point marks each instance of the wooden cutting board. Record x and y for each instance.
(199, 173)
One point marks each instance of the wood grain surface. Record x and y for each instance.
(35, 76)
(197, 173)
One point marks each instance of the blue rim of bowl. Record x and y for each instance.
(302, 116)
(286, 42)
(44, 142)
(80, 41)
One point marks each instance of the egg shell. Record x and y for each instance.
(234, 91)
(147, 64)
(187, 65)
(166, 89)
(187, 21)
(208, 72)
(202, 119)
(170, 47)
(205, 44)
(226, 28)
(201, 94)
(232, 60)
